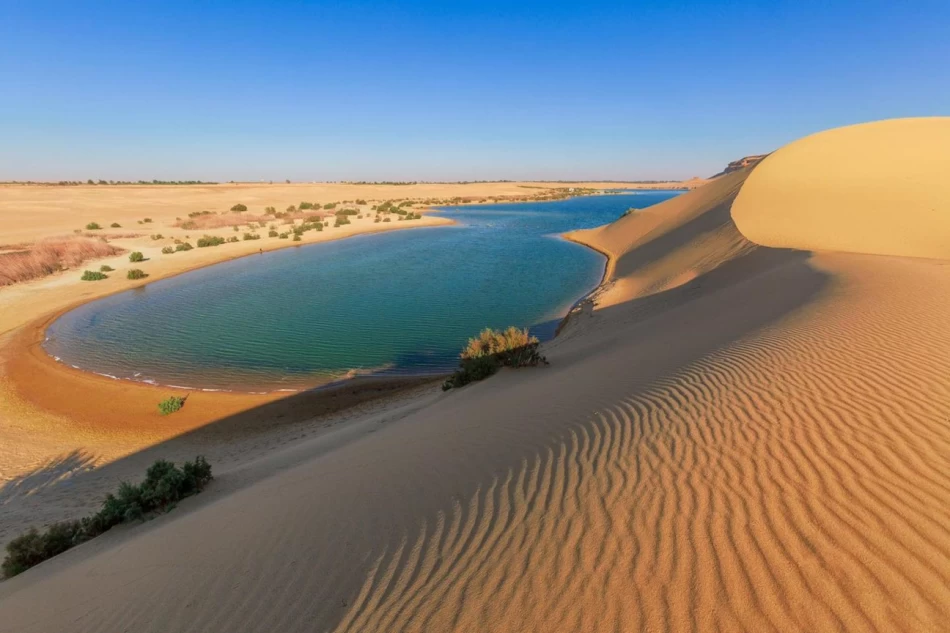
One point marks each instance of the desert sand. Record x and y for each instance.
(743, 429)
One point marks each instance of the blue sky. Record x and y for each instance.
(448, 90)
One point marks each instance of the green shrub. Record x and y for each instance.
(171, 404)
(238, 208)
(184, 246)
(106, 268)
(210, 240)
(341, 220)
(136, 256)
(387, 220)
(296, 237)
(189, 225)
(93, 275)
(376, 220)
(347, 212)
(165, 485)
(492, 349)
(330, 205)
(272, 233)
(270, 210)
(283, 236)
(136, 273)
(233, 239)
(116, 225)
(251, 236)
(167, 250)
(93, 226)
(303, 206)
(158, 236)
(195, 214)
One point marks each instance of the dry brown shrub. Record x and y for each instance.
(50, 255)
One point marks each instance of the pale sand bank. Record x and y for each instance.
(735, 438)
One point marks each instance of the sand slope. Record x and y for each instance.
(736, 438)
(871, 188)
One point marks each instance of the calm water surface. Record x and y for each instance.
(401, 302)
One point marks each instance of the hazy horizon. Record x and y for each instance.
(419, 91)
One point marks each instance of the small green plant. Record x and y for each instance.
(167, 250)
(330, 205)
(136, 273)
(184, 246)
(93, 275)
(171, 404)
(106, 268)
(136, 256)
(493, 349)
(165, 485)
(210, 240)
(93, 226)
(238, 208)
(116, 225)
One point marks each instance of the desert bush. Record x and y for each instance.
(164, 486)
(106, 268)
(184, 246)
(251, 236)
(158, 236)
(116, 225)
(171, 404)
(136, 256)
(233, 239)
(50, 255)
(296, 237)
(195, 214)
(284, 236)
(238, 208)
(347, 212)
(272, 233)
(492, 349)
(168, 250)
(93, 275)
(387, 220)
(360, 201)
(270, 210)
(341, 220)
(210, 240)
(93, 226)
(376, 220)
(136, 273)
(147, 220)
(303, 206)
(330, 205)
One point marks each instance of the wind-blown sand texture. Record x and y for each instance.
(732, 437)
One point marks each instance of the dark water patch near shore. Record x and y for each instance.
(391, 303)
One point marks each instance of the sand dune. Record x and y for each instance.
(734, 438)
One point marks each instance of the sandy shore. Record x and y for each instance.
(731, 436)
(49, 410)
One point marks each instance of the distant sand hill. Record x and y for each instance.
(746, 429)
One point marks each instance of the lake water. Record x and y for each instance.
(399, 302)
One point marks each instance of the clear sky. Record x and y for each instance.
(448, 89)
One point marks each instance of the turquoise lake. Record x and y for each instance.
(391, 303)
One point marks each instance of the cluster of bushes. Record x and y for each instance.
(347, 212)
(270, 211)
(93, 226)
(210, 240)
(164, 486)
(233, 239)
(93, 275)
(171, 404)
(330, 205)
(493, 349)
(303, 206)
(106, 268)
(272, 233)
(184, 246)
(195, 214)
(136, 273)
(251, 236)
(116, 225)
(341, 220)
(158, 236)
(136, 256)
(167, 250)
(238, 208)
